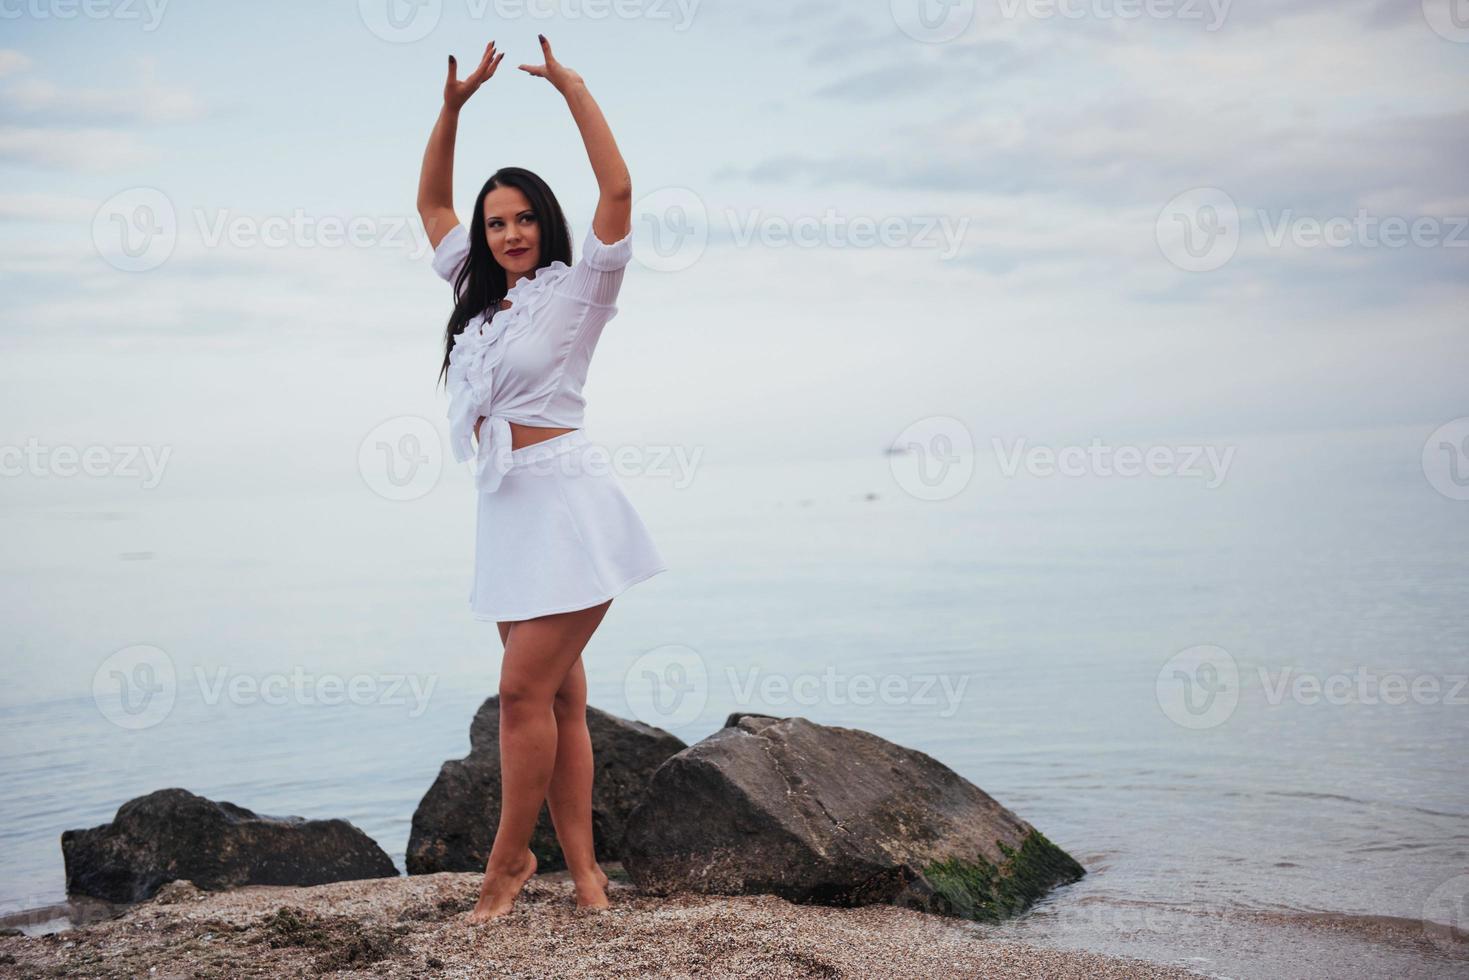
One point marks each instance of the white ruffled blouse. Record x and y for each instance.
(528, 363)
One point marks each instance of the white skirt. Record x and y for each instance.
(558, 534)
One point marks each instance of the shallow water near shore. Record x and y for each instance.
(1022, 632)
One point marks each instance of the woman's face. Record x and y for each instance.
(513, 231)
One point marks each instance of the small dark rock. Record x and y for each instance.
(172, 834)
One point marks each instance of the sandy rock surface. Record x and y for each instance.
(415, 926)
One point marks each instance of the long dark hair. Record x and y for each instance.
(481, 283)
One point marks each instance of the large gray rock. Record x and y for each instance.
(172, 834)
(454, 825)
(835, 816)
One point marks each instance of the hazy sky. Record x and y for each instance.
(1056, 220)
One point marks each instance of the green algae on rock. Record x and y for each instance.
(981, 890)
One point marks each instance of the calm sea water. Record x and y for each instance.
(1017, 631)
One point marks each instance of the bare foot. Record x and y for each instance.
(498, 891)
(591, 890)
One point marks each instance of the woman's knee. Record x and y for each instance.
(569, 705)
(519, 695)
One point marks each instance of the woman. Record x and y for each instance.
(556, 538)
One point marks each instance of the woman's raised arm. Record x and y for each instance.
(436, 178)
(613, 219)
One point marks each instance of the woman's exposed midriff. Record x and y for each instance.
(526, 435)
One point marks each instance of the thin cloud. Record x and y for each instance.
(91, 150)
(12, 61)
(144, 101)
(46, 207)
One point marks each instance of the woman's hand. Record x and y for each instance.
(456, 93)
(552, 71)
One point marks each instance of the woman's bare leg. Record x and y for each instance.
(538, 654)
(570, 793)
